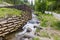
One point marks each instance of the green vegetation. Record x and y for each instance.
(36, 38)
(56, 37)
(37, 30)
(8, 11)
(45, 19)
(49, 5)
(56, 25)
(0, 1)
(17, 2)
(44, 34)
(57, 11)
(40, 6)
(48, 20)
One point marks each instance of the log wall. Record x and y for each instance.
(12, 23)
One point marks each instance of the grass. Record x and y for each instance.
(56, 25)
(8, 11)
(36, 38)
(48, 20)
(0, 1)
(57, 11)
(37, 30)
(56, 37)
(44, 34)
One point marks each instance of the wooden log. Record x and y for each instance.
(3, 34)
(17, 22)
(14, 30)
(15, 18)
(23, 20)
(4, 25)
(0, 25)
(12, 20)
(8, 30)
(3, 28)
(10, 24)
(0, 32)
(9, 19)
(2, 22)
(18, 26)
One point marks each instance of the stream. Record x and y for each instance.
(29, 29)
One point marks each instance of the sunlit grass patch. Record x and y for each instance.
(8, 11)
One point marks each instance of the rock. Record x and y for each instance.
(1, 38)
